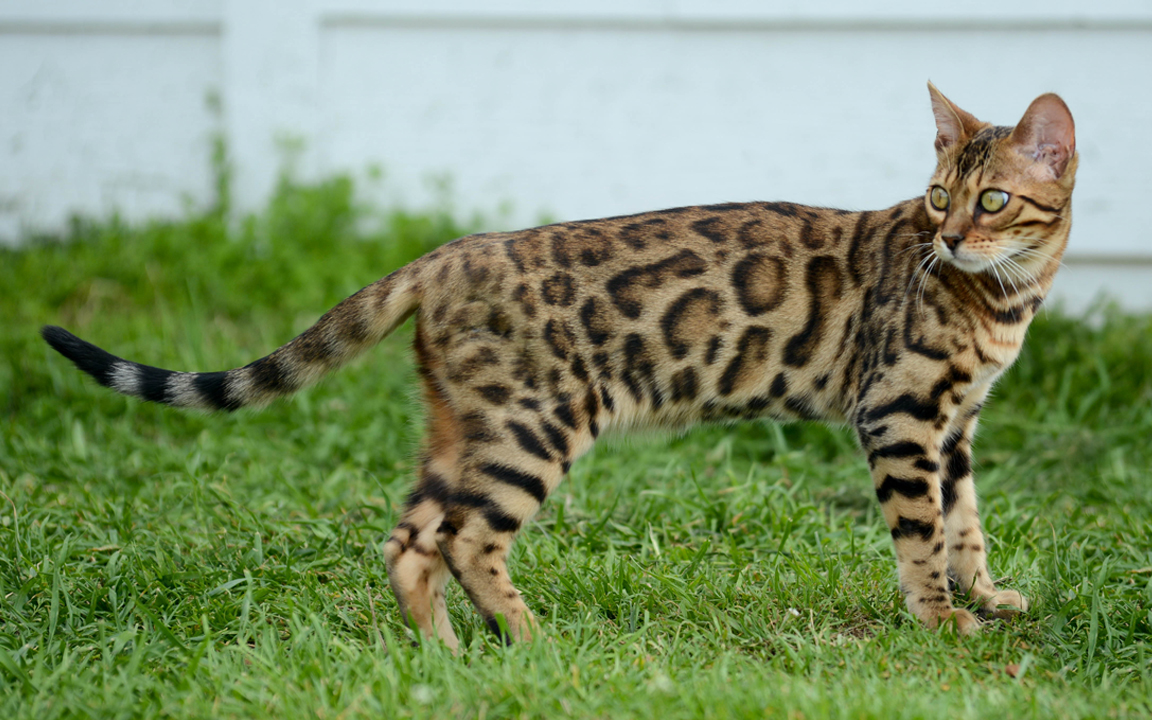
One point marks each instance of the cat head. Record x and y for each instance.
(1000, 196)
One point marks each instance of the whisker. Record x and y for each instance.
(924, 283)
(1011, 278)
(998, 280)
(915, 271)
(1034, 254)
(915, 245)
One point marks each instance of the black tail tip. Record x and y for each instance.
(85, 355)
(61, 340)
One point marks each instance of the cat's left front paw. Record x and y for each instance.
(1004, 604)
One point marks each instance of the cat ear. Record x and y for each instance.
(1047, 134)
(953, 125)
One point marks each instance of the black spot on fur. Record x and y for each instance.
(862, 235)
(597, 326)
(523, 295)
(926, 465)
(801, 407)
(751, 234)
(759, 283)
(496, 394)
(447, 527)
(581, 244)
(314, 347)
(907, 527)
(591, 411)
(959, 466)
(579, 369)
(564, 414)
(678, 338)
(465, 498)
(556, 438)
(757, 404)
(606, 399)
(476, 428)
(559, 289)
(779, 386)
(919, 343)
(499, 323)
(559, 337)
(627, 288)
(897, 450)
(911, 488)
(908, 404)
(809, 237)
(500, 521)
(430, 486)
(528, 441)
(684, 385)
(713, 351)
(711, 228)
(782, 208)
(822, 279)
(751, 352)
(530, 484)
(639, 371)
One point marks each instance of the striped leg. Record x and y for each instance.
(906, 474)
(967, 556)
(499, 491)
(416, 569)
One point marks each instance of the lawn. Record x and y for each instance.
(157, 563)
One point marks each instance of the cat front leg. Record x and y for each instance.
(905, 468)
(966, 548)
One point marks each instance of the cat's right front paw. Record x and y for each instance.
(1003, 605)
(935, 614)
(963, 622)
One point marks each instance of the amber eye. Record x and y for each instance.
(939, 198)
(993, 200)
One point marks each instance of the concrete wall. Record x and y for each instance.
(569, 108)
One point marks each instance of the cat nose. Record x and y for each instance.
(952, 240)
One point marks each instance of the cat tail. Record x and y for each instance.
(344, 332)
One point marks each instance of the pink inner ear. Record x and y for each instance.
(1047, 133)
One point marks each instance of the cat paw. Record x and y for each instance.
(961, 621)
(1004, 604)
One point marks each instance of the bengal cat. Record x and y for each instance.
(530, 344)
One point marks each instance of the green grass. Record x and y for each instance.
(157, 563)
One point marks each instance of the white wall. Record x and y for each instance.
(573, 108)
(99, 112)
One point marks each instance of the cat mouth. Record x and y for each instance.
(1009, 265)
(960, 259)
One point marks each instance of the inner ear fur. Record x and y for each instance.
(1047, 134)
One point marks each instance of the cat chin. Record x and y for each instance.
(967, 264)
(970, 265)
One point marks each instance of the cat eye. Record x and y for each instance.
(993, 200)
(939, 198)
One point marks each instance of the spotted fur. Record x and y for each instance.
(531, 344)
